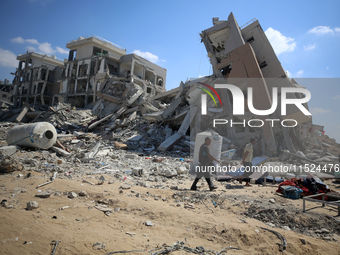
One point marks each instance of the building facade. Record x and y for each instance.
(92, 62)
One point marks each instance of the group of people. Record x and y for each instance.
(205, 160)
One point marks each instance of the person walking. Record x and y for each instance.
(246, 161)
(206, 162)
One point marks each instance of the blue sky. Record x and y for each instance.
(304, 34)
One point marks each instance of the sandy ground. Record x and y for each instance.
(80, 226)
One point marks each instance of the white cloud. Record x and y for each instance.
(323, 30)
(310, 47)
(18, 40)
(299, 73)
(43, 48)
(289, 74)
(32, 41)
(8, 58)
(61, 50)
(46, 48)
(317, 110)
(279, 42)
(149, 56)
(336, 97)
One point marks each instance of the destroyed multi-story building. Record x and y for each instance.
(6, 91)
(100, 75)
(91, 64)
(36, 79)
(93, 61)
(244, 57)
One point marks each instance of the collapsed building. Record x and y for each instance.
(36, 79)
(93, 63)
(100, 75)
(243, 56)
(6, 90)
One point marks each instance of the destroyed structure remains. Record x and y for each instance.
(99, 75)
(114, 118)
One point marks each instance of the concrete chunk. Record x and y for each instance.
(172, 108)
(138, 171)
(43, 195)
(60, 151)
(22, 114)
(170, 142)
(32, 205)
(8, 150)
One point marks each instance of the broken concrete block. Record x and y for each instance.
(169, 173)
(8, 150)
(169, 143)
(172, 107)
(168, 132)
(103, 208)
(83, 193)
(60, 151)
(22, 114)
(133, 98)
(135, 138)
(9, 165)
(155, 116)
(32, 205)
(72, 195)
(131, 156)
(138, 171)
(187, 120)
(182, 170)
(148, 223)
(93, 152)
(125, 186)
(43, 195)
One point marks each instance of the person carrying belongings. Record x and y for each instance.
(246, 161)
(205, 160)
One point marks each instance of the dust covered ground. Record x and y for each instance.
(144, 219)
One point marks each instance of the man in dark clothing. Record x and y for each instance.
(205, 160)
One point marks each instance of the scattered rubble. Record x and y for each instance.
(98, 246)
(133, 133)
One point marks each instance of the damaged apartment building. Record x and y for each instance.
(244, 57)
(36, 79)
(95, 68)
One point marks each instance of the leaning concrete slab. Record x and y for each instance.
(169, 143)
(22, 114)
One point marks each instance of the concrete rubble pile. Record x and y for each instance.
(113, 122)
(131, 107)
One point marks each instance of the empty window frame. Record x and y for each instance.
(72, 55)
(82, 70)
